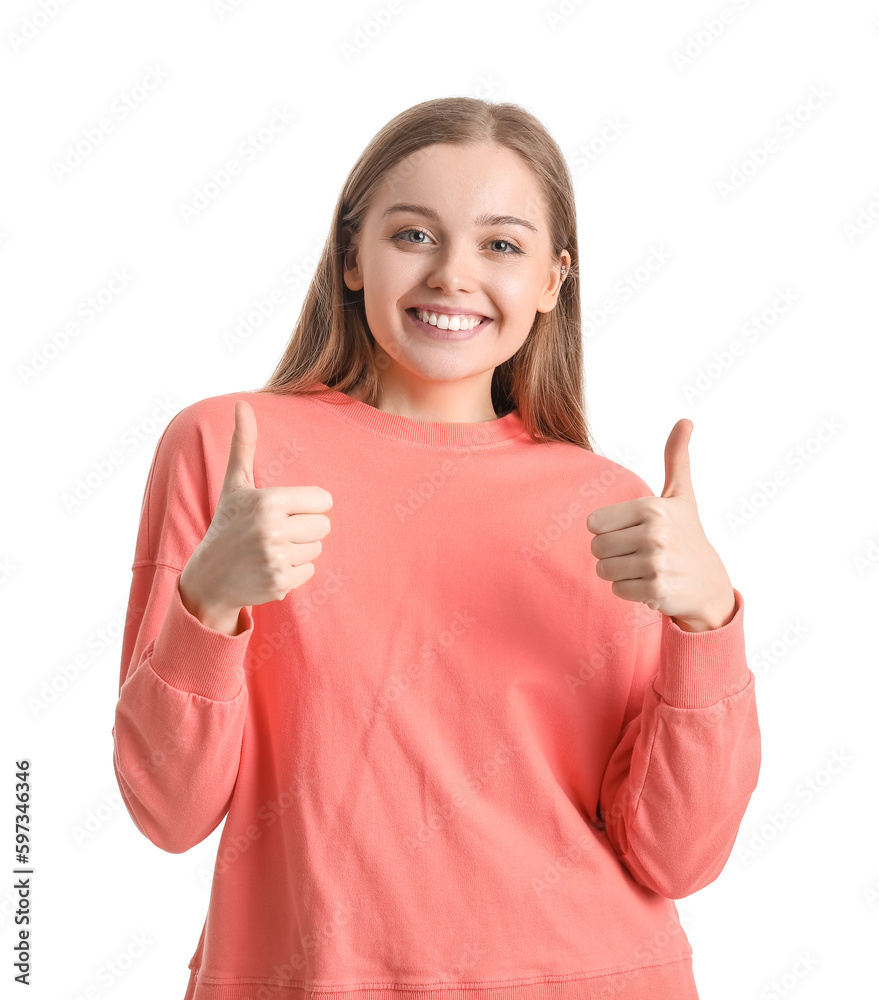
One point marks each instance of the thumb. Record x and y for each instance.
(239, 468)
(677, 462)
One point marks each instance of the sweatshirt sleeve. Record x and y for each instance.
(180, 713)
(679, 781)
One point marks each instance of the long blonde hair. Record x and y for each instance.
(331, 342)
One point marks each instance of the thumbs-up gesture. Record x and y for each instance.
(655, 551)
(260, 542)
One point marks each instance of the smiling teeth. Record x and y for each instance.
(444, 322)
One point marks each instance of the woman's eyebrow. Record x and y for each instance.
(483, 220)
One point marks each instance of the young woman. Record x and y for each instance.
(483, 732)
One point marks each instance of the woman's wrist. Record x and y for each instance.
(210, 615)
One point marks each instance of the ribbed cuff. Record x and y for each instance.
(699, 669)
(192, 657)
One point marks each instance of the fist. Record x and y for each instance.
(261, 542)
(654, 549)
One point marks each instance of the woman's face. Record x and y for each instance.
(450, 254)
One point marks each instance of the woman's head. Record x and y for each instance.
(460, 158)
(426, 243)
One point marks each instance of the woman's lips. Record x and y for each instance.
(438, 334)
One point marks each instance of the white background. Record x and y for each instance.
(804, 557)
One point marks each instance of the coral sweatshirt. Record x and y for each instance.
(453, 760)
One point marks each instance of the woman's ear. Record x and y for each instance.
(353, 277)
(549, 298)
(564, 268)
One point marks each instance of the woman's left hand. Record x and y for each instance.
(655, 551)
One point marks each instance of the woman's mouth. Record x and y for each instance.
(438, 333)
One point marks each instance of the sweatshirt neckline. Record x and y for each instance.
(437, 434)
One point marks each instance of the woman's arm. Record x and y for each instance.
(677, 786)
(179, 719)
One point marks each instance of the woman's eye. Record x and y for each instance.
(403, 232)
(511, 245)
(513, 249)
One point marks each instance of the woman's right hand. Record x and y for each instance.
(260, 543)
